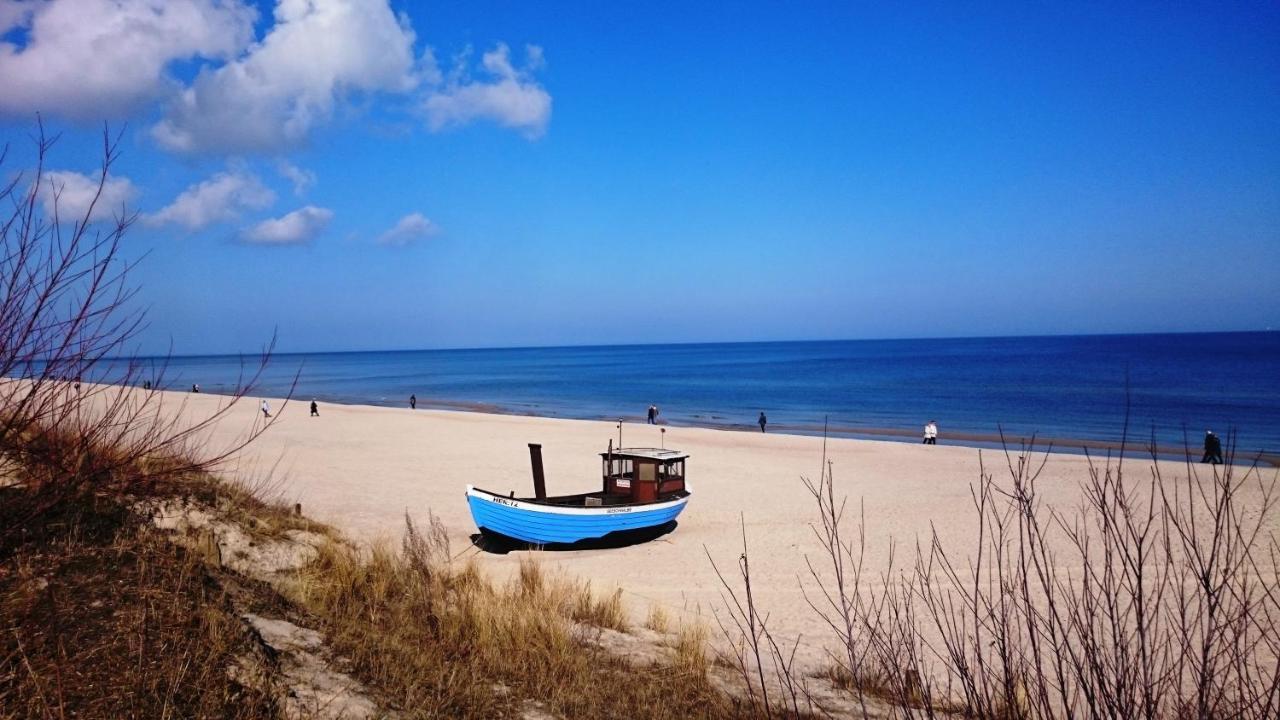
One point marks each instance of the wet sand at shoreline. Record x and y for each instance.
(1135, 446)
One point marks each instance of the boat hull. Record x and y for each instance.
(543, 524)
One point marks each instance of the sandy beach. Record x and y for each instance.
(364, 468)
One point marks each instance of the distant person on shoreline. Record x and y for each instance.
(146, 384)
(195, 388)
(1212, 448)
(315, 409)
(762, 421)
(931, 433)
(266, 408)
(653, 414)
(413, 402)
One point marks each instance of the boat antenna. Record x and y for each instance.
(619, 433)
(664, 438)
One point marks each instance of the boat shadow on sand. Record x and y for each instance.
(496, 544)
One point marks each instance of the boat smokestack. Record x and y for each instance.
(539, 481)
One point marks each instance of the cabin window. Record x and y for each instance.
(617, 467)
(673, 470)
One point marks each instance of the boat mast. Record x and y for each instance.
(608, 468)
(539, 481)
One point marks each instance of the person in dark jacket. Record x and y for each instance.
(413, 402)
(315, 409)
(762, 421)
(1212, 448)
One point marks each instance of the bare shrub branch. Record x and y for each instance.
(73, 414)
(1152, 599)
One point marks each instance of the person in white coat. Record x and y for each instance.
(266, 409)
(931, 433)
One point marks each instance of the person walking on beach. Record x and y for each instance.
(653, 414)
(1212, 448)
(413, 402)
(762, 421)
(931, 433)
(315, 409)
(266, 408)
(195, 388)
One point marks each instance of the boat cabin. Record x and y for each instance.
(643, 474)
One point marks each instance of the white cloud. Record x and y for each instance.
(318, 52)
(91, 59)
(70, 194)
(414, 226)
(218, 199)
(298, 227)
(507, 95)
(302, 179)
(108, 59)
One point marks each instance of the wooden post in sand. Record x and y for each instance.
(539, 482)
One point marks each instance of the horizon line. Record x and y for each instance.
(687, 343)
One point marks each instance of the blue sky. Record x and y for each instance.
(593, 173)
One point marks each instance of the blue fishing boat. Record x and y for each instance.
(642, 490)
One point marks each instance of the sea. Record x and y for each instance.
(1105, 388)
